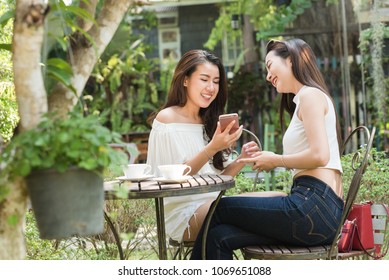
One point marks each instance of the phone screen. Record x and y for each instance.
(226, 119)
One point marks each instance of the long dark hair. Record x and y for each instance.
(178, 93)
(305, 70)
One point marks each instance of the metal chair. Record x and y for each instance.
(330, 251)
(183, 249)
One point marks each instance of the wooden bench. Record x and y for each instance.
(359, 164)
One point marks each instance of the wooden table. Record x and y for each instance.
(154, 189)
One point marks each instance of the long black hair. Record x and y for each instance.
(305, 70)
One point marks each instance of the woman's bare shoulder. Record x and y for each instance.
(312, 95)
(312, 98)
(167, 115)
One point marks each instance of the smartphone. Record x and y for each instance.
(226, 119)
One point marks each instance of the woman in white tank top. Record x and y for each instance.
(311, 213)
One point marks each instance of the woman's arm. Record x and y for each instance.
(219, 142)
(247, 151)
(312, 110)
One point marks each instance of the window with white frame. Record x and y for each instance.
(231, 49)
(169, 37)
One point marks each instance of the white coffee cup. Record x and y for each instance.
(137, 170)
(174, 171)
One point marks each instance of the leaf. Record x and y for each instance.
(6, 17)
(59, 64)
(82, 13)
(59, 75)
(23, 168)
(136, 44)
(121, 192)
(7, 47)
(62, 42)
(63, 137)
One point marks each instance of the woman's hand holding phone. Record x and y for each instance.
(226, 119)
(224, 138)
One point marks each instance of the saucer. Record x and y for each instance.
(176, 180)
(145, 177)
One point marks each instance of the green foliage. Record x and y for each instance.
(8, 108)
(71, 249)
(251, 95)
(223, 26)
(267, 18)
(371, 44)
(276, 18)
(374, 186)
(166, 77)
(242, 185)
(62, 29)
(375, 181)
(4, 18)
(283, 180)
(60, 144)
(9, 118)
(122, 87)
(59, 70)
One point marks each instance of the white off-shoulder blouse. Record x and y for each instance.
(176, 143)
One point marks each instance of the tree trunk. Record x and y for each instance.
(62, 99)
(32, 98)
(12, 216)
(32, 102)
(27, 42)
(251, 56)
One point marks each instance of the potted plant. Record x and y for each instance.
(63, 160)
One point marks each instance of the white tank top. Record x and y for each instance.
(295, 140)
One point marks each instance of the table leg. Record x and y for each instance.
(206, 224)
(160, 214)
(115, 235)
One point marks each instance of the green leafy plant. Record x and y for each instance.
(8, 118)
(124, 84)
(267, 17)
(8, 108)
(59, 143)
(375, 180)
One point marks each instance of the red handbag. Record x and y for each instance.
(346, 240)
(364, 226)
(357, 234)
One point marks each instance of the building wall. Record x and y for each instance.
(196, 23)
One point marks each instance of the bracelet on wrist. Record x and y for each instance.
(206, 152)
(283, 162)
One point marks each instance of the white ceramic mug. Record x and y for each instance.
(137, 170)
(174, 171)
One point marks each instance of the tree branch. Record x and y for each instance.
(62, 99)
(27, 43)
(91, 9)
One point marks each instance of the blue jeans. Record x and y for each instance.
(308, 216)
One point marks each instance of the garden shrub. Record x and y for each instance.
(375, 181)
